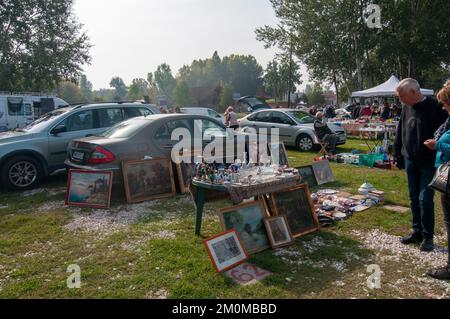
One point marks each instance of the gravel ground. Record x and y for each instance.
(394, 250)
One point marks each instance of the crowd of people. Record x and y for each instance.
(384, 111)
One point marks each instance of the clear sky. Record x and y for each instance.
(132, 37)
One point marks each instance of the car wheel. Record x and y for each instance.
(21, 173)
(305, 143)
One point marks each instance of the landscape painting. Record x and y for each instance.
(248, 220)
(296, 205)
(89, 188)
(148, 179)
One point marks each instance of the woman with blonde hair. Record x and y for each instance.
(441, 143)
(231, 118)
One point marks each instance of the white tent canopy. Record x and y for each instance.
(388, 88)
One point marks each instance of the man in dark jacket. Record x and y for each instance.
(324, 133)
(420, 118)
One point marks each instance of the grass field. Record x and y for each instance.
(149, 250)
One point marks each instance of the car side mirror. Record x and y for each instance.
(59, 129)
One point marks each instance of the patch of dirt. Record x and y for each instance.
(157, 294)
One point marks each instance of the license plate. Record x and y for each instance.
(78, 156)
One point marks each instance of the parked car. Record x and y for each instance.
(139, 138)
(343, 113)
(203, 111)
(39, 149)
(296, 128)
(251, 104)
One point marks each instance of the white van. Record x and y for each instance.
(203, 111)
(20, 109)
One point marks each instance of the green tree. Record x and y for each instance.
(226, 97)
(315, 94)
(137, 89)
(277, 76)
(334, 41)
(165, 80)
(182, 94)
(86, 87)
(70, 92)
(40, 44)
(121, 89)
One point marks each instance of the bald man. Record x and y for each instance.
(421, 117)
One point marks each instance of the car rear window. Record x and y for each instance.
(126, 129)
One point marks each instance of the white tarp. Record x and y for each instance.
(388, 88)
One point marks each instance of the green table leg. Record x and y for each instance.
(200, 201)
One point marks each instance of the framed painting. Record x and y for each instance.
(89, 188)
(148, 179)
(185, 172)
(322, 172)
(307, 174)
(226, 250)
(248, 221)
(278, 231)
(297, 206)
(278, 154)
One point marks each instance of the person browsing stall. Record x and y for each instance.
(420, 118)
(441, 143)
(231, 120)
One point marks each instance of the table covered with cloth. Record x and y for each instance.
(202, 192)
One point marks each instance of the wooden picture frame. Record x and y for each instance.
(83, 192)
(308, 176)
(296, 204)
(184, 176)
(283, 157)
(226, 250)
(248, 221)
(156, 180)
(322, 172)
(185, 173)
(278, 231)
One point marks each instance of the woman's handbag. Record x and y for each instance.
(440, 179)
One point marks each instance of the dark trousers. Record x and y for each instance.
(446, 207)
(421, 197)
(331, 140)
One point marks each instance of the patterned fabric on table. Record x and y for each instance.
(240, 192)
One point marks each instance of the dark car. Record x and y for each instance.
(139, 138)
(251, 104)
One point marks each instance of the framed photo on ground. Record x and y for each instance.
(226, 250)
(278, 154)
(148, 179)
(278, 231)
(322, 172)
(89, 188)
(307, 174)
(248, 221)
(298, 208)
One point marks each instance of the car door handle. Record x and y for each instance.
(89, 135)
(168, 146)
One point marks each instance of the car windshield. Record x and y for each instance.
(126, 129)
(302, 117)
(42, 122)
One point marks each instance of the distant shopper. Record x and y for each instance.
(420, 118)
(324, 133)
(356, 111)
(441, 143)
(162, 110)
(177, 110)
(231, 118)
(386, 112)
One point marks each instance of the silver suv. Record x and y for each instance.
(296, 128)
(30, 154)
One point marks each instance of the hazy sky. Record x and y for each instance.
(132, 37)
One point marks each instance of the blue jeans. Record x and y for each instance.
(421, 197)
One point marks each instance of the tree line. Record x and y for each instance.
(333, 39)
